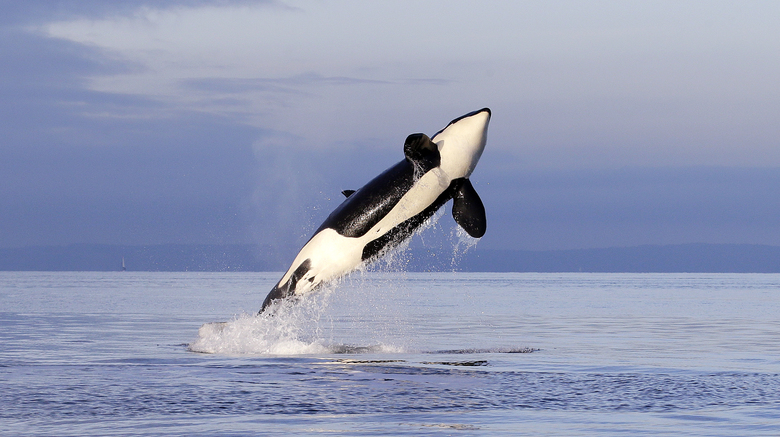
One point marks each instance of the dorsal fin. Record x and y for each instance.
(420, 150)
(348, 193)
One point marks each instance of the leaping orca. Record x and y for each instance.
(390, 207)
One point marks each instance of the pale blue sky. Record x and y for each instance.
(615, 123)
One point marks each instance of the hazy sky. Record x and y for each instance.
(614, 123)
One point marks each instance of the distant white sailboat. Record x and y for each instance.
(124, 269)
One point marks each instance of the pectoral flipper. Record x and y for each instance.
(468, 210)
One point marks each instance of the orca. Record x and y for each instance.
(389, 208)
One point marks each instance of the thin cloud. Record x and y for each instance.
(292, 84)
(17, 13)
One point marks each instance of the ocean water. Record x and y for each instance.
(125, 354)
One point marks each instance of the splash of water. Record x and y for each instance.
(463, 242)
(289, 327)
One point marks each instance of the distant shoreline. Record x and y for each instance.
(680, 258)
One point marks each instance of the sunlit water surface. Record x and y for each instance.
(390, 354)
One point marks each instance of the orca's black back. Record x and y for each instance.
(367, 206)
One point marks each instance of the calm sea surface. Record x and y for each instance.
(391, 354)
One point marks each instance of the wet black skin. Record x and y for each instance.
(365, 207)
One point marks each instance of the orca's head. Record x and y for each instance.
(461, 143)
